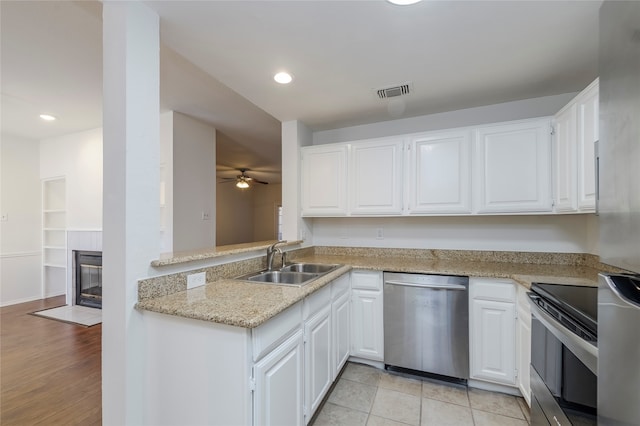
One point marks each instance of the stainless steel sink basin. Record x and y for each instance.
(313, 268)
(277, 277)
(296, 274)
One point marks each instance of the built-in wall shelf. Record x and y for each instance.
(54, 236)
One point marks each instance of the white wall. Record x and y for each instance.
(77, 157)
(295, 134)
(194, 183)
(558, 233)
(20, 235)
(234, 214)
(166, 182)
(265, 212)
(517, 110)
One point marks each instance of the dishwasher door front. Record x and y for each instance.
(426, 323)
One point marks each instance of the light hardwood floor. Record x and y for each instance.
(50, 371)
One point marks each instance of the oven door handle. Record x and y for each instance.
(583, 350)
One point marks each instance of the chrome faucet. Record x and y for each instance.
(271, 251)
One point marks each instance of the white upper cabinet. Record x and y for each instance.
(324, 180)
(588, 134)
(440, 173)
(575, 133)
(375, 170)
(514, 167)
(564, 162)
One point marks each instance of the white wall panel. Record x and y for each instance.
(20, 275)
(20, 244)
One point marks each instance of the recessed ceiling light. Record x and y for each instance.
(47, 117)
(283, 77)
(403, 2)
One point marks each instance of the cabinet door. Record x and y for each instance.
(564, 160)
(514, 167)
(367, 325)
(493, 341)
(523, 348)
(318, 354)
(341, 322)
(375, 170)
(278, 380)
(524, 359)
(324, 177)
(588, 134)
(440, 173)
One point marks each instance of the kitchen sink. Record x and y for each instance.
(278, 277)
(312, 268)
(296, 274)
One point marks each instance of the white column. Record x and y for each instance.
(130, 199)
(294, 135)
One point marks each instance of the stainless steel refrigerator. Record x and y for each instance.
(619, 209)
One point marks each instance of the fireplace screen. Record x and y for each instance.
(88, 275)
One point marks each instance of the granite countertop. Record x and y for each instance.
(234, 302)
(523, 273)
(167, 259)
(245, 304)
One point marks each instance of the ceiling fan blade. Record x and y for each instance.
(256, 180)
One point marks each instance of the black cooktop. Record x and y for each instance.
(578, 302)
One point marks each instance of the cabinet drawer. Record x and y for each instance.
(268, 335)
(340, 286)
(316, 301)
(500, 290)
(366, 280)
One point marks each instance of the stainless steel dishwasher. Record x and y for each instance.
(426, 324)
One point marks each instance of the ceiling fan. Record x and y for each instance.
(242, 180)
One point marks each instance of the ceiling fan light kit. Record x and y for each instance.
(242, 180)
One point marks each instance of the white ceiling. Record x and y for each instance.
(456, 54)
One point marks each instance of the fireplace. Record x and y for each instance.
(88, 278)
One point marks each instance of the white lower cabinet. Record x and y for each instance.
(278, 385)
(523, 347)
(341, 322)
(318, 354)
(492, 339)
(367, 326)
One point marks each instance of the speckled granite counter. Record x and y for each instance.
(234, 302)
(248, 305)
(167, 259)
(523, 273)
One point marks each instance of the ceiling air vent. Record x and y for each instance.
(392, 92)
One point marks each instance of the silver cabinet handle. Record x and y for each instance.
(585, 351)
(431, 286)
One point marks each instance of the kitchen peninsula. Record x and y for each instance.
(220, 353)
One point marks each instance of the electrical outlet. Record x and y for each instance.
(206, 216)
(4, 217)
(196, 280)
(379, 234)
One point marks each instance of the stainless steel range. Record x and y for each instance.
(564, 354)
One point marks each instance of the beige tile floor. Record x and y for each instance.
(367, 396)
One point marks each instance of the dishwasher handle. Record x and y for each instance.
(430, 286)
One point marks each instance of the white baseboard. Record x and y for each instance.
(493, 387)
(376, 364)
(17, 301)
(46, 296)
